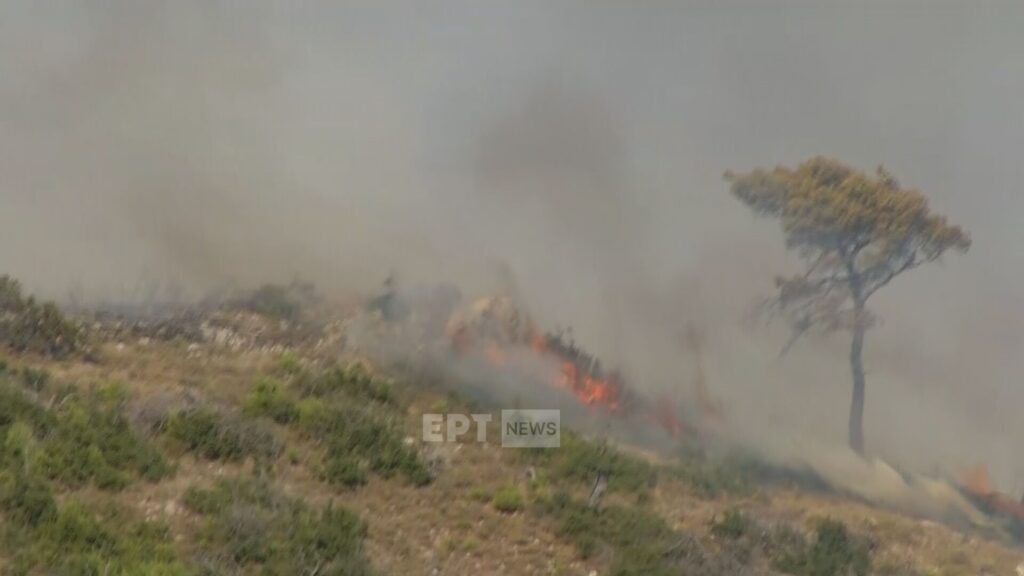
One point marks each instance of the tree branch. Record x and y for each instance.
(911, 262)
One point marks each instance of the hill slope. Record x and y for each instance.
(252, 446)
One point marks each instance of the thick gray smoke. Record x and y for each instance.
(570, 153)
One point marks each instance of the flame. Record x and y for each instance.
(976, 481)
(977, 484)
(573, 370)
(587, 388)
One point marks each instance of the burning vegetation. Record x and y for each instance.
(496, 330)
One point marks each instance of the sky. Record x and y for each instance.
(571, 153)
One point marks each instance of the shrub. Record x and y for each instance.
(249, 524)
(202, 432)
(733, 525)
(217, 435)
(636, 539)
(15, 406)
(354, 381)
(710, 478)
(28, 326)
(310, 414)
(579, 461)
(269, 399)
(352, 435)
(289, 364)
(480, 494)
(80, 540)
(507, 499)
(25, 500)
(834, 552)
(35, 379)
(344, 471)
(91, 441)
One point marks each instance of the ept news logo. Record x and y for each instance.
(519, 428)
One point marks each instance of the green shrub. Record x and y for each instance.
(91, 441)
(79, 540)
(480, 494)
(344, 471)
(249, 524)
(352, 435)
(203, 501)
(16, 406)
(84, 439)
(269, 399)
(201, 431)
(580, 461)
(25, 500)
(636, 539)
(289, 364)
(353, 381)
(215, 435)
(834, 552)
(35, 379)
(507, 499)
(712, 478)
(733, 525)
(310, 414)
(29, 326)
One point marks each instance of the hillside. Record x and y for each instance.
(246, 438)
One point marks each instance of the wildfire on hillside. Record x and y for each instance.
(977, 485)
(493, 328)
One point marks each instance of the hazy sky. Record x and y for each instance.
(573, 149)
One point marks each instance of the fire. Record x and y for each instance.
(589, 389)
(977, 484)
(576, 372)
(495, 331)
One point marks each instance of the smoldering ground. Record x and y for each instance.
(571, 154)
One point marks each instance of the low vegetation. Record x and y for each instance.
(351, 414)
(27, 325)
(833, 551)
(214, 434)
(357, 440)
(247, 524)
(268, 398)
(82, 438)
(579, 461)
(77, 539)
(71, 441)
(733, 525)
(508, 499)
(352, 381)
(634, 540)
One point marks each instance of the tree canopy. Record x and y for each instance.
(856, 230)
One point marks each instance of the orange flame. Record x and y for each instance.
(589, 387)
(977, 484)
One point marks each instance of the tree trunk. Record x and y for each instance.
(857, 403)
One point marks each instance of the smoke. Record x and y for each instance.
(571, 155)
